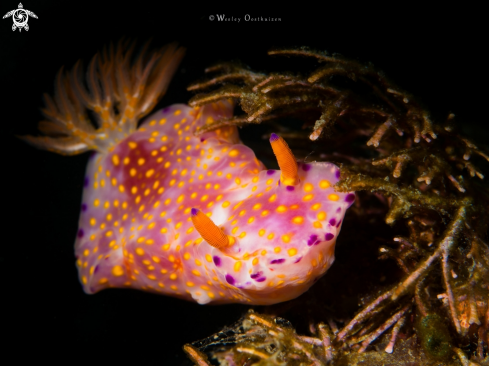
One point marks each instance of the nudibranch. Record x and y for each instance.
(199, 218)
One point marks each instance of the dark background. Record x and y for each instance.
(436, 53)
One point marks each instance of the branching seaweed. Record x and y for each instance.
(423, 179)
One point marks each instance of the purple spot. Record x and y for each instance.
(332, 222)
(194, 211)
(261, 279)
(278, 261)
(92, 289)
(312, 239)
(338, 224)
(306, 167)
(256, 275)
(85, 182)
(84, 207)
(290, 188)
(166, 109)
(318, 242)
(338, 209)
(202, 139)
(329, 237)
(81, 233)
(107, 257)
(279, 183)
(274, 137)
(96, 269)
(230, 279)
(217, 260)
(337, 174)
(271, 172)
(298, 260)
(350, 197)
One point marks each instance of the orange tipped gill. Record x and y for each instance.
(286, 160)
(208, 230)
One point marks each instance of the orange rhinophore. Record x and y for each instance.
(286, 160)
(209, 231)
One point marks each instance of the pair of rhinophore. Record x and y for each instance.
(210, 232)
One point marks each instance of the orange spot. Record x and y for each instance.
(292, 252)
(115, 160)
(333, 197)
(308, 197)
(117, 271)
(324, 184)
(298, 220)
(281, 208)
(308, 187)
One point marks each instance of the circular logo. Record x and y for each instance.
(20, 17)
(211, 17)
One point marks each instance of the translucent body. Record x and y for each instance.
(135, 228)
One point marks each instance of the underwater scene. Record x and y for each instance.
(244, 187)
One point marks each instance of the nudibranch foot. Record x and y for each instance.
(199, 218)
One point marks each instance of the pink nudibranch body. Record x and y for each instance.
(136, 229)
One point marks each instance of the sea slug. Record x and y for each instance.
(199, 218)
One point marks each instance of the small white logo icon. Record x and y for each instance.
(20, 17)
